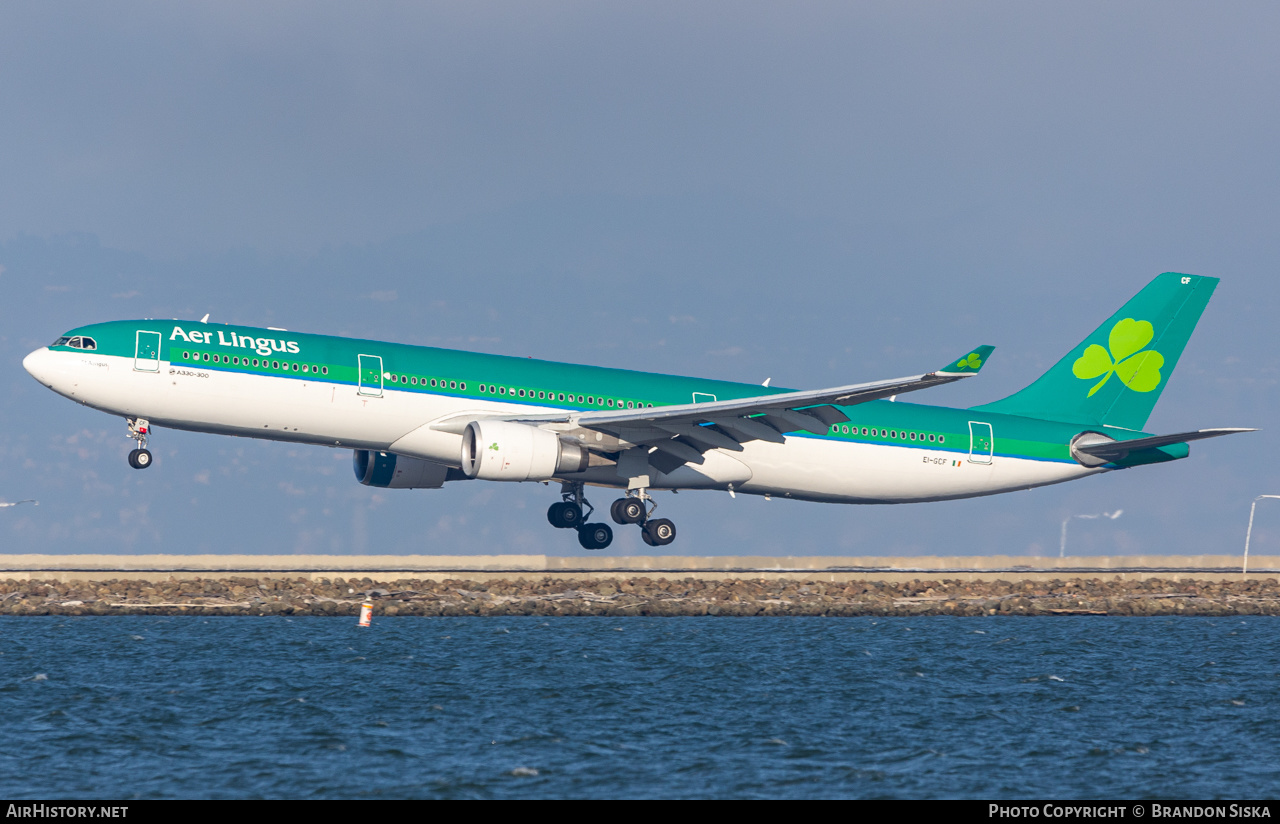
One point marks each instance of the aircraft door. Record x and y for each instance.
(370, 381)
(146, 353)
(981, 443)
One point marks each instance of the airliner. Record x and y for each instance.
(418, 417)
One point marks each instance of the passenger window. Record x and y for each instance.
(295, 367)
(453, 385)
(235, 361)
(521, 393)
(463, 386)
(844, 430)
(274, 364)
(185, 354)
(206, 356)
(864, 430)
(629, 404)
(941, 439)
(215, 358)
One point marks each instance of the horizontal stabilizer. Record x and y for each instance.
(1119, 450)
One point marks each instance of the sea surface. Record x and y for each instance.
(936, 707)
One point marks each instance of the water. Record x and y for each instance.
(1067, 707)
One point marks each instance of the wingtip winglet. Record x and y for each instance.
(969, 364)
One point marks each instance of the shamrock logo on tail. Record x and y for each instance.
(1137, 369)
(971, 362)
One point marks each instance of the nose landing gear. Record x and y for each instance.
(569, 514)
(139, 428)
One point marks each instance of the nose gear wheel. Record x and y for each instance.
(139, 429)
(140, 458)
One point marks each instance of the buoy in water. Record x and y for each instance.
(366, 614)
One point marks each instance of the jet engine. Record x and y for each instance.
(390, 471)
(504, 451)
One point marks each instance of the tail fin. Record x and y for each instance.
(1115, 375)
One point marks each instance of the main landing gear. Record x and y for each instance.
(569, 514)
(634, 509)
(139, 428)
(638, 510)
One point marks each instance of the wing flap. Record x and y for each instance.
(702, 435)
(749, 429)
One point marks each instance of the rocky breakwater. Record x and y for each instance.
(639, 596)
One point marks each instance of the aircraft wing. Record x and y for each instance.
(1119, 450)
(681, 434)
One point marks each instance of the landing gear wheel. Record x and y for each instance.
(595, 536)
(660, 531)
(627, 511)
(644, 536)
(565, 515)
(140, 458)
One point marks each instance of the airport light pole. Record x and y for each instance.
(1248, 533)
(1062, 548)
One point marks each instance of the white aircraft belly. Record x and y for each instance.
(824, 470)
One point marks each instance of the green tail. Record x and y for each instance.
(1115, 375)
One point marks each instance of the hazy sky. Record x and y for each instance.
(814, 193)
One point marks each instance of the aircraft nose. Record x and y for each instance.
(37, 364)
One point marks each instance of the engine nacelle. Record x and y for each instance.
(504, 451)
(387, 470)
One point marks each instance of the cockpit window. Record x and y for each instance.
(78, 342)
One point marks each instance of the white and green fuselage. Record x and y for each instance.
(409, 406)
